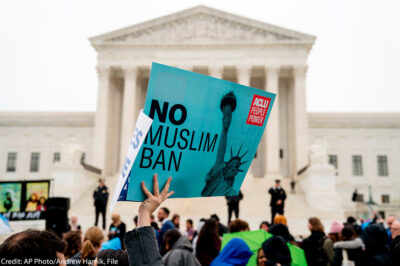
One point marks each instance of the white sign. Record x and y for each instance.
(143, 125)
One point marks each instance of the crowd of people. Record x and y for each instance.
(166, 243)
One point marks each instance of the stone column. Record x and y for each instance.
(243, 75)
(216, 72)
(299, 120)
(128, 110)
(272, 163)
(101, 121)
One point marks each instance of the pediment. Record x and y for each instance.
(201, 25)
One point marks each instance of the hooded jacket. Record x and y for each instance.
(276, 251)
(235, 253)
(180, 254)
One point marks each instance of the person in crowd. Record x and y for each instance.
(352, 221)
(389, 221)
(280, 219)
(235, 253)
(200, 225)
(141, 243)
(117, 229)
(313, 246)
(179, 250)
(283, 231)
(135, 220)
(333, 236)
(238, 225)
(209, 243)
(110, 257)
(166, 224)
(395, 244)
(336, 230)
(41, 206)
(100, 196)
(264, 225)
(153, 223)
(276, 252)
(73, 240)
(376, 249)
(233, 205)
(175, 220)
(292, 186)
(261, 259)
(73, 223)
(34, 244)
(351, 244)
(189, 230)
(91, 245)
(222, 229)
(278, 197)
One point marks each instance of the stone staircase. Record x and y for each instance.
(254, 207)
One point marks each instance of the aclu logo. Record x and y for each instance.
(258, 110)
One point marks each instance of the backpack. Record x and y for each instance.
(320, 256)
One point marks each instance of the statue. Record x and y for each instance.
(221, 177)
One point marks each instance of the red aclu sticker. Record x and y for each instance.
(258, 110)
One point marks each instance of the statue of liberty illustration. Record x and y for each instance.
(221, 177)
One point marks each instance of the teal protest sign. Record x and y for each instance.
(204, 134)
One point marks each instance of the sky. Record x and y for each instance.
(48, 64)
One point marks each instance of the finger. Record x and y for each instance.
(145, 190)
(155, 185)
(169, 195)
(166, 187)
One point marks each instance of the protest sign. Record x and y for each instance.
(205, 133)
(143, 124)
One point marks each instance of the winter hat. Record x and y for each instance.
(280, 219)
(336, 227)
(276, 251)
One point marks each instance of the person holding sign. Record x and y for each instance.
(141, 243)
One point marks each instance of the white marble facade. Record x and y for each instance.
(214, 43)
(221, 45)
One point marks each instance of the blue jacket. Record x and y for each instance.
(168, 225)
(236, 252)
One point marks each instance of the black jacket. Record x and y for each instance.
(233, 200)
(354, 249)
(377, 252)
(142, 247)
(277, 194)
(395, 251)
(100, 196)
(313, 249)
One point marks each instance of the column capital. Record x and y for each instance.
(130, 71)
(272, 69)
(300, 70)
(103, 71)
(244, 69)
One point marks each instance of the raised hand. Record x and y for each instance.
(149, 205)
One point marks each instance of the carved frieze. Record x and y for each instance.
(200, 28)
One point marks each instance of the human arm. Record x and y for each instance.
(283, 195)
(141, 243)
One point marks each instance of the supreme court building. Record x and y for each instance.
(329, 155)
